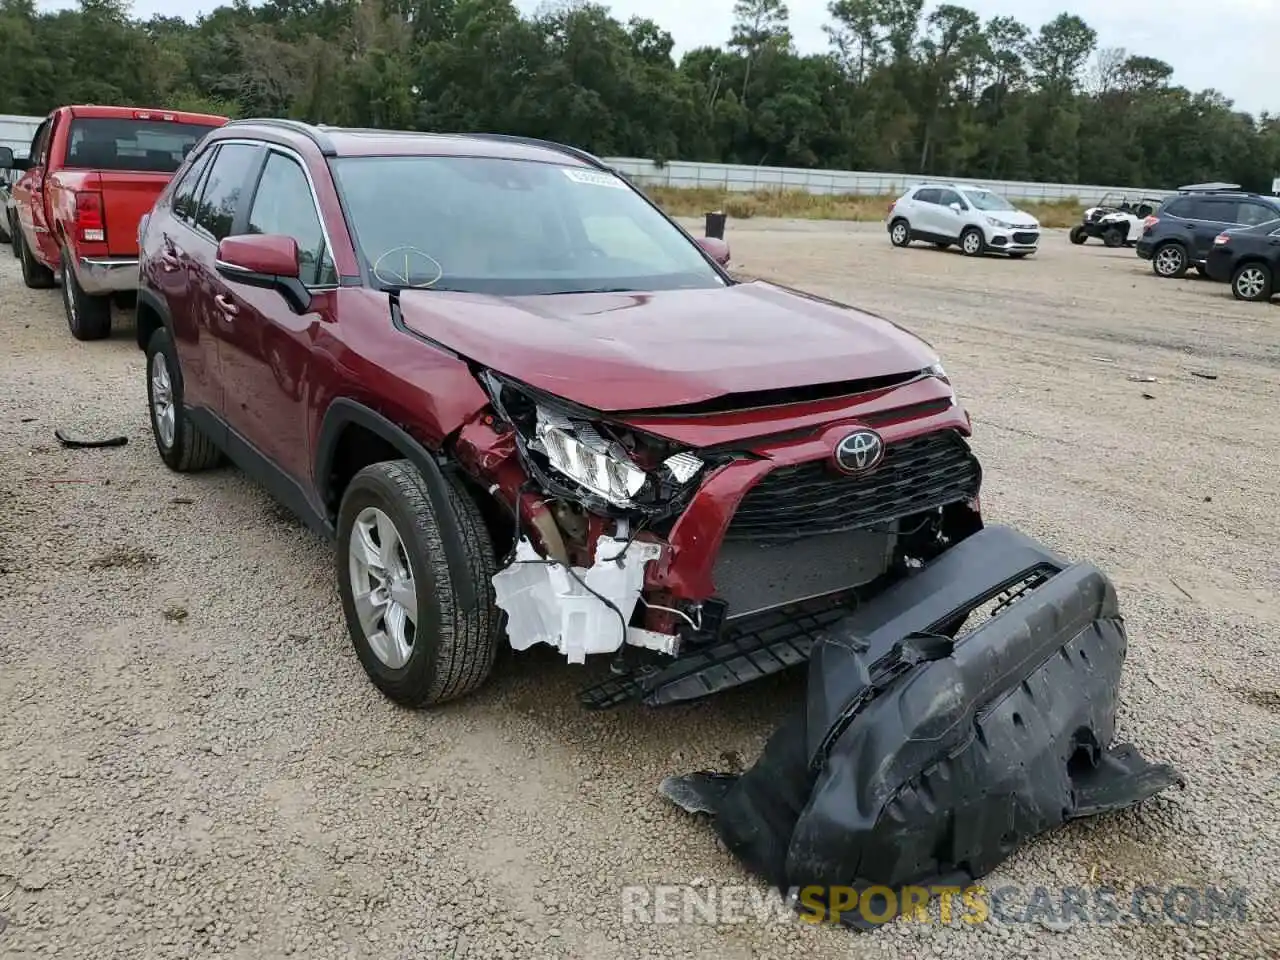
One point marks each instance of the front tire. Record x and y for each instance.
(1252, 282)
(34, 273)
(417, 645)
(1078, 236)
(88, 318)
(1170, 261)
(900, 233)
(182, 447)
(972, 242)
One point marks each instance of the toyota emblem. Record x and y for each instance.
(859, 452)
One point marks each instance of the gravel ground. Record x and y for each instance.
(193, 764)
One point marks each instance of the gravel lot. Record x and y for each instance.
(192, 762)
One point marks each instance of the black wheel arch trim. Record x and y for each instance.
(345, 412)
(152, 301)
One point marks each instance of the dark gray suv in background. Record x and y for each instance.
(1180, 233)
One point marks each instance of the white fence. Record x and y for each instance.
(16, 132)
(723, 176)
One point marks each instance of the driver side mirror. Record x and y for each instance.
(9, 162)
(715, 248)
(265, 260)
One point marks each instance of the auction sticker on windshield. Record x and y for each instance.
(592, 177)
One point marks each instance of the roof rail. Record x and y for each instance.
(1214, 187)
(575, 152)
(314, 134)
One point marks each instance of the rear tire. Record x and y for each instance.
(1252, 282)
(1114, 237)
(1078, 236)
(972, 242)
(1170, 261)
(34, 273)
(900, 233)
(182, 447)
(413, 639)
(89, 318)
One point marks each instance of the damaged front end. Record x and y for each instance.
(716, 539)
(929, 748)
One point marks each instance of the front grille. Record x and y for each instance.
(756, 575)
(919, 474)
(1024, 236)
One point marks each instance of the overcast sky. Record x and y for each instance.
(1224, 44)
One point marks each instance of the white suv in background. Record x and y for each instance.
(975, 218)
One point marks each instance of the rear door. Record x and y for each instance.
(265, 347)
(219, 208)
(1211, 215)
(29, 195)
(136, 156)
(924, 214)
(950, 223)
(167, 263)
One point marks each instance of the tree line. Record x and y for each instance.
(941, 93)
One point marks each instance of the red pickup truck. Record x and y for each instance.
(92, 173)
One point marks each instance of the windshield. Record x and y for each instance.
(986, 200)
(109, 143)
(511, 227)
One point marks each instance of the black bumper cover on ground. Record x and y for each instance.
(918, 760)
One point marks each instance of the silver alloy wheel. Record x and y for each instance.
(162, 409)
(972, 242)
(1250, 283)
(382, 587)
(899, 233)
(1169, 261)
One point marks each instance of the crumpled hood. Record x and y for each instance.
(636, 351)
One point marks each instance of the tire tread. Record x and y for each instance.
(467, 644)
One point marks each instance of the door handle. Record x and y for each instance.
(226, 306)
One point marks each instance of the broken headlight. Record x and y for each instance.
(620, 466)
(579, 452)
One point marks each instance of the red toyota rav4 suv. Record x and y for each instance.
(527, 404)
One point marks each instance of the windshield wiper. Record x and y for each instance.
(558, 293)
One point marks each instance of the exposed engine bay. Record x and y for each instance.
(630, 538)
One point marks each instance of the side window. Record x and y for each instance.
(283, 205)
(949, 197)
(928, 195)
(40, 143)
(184, 196)
(1252, 214)
(220, 198)
(1183, 207)
(1216, 210)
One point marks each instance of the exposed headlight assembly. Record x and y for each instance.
(579, 452)
(572, 451)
